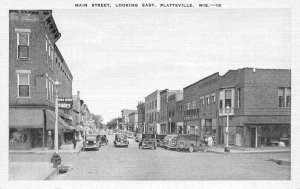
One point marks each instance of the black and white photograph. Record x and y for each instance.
(149, 94)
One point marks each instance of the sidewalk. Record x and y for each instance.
(65, 148)
(242, 150)
(36, 169)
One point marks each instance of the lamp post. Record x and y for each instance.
(56, 160)
(227, 110)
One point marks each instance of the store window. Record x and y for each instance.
(18, 136)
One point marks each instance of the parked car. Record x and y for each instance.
(191, 143)
(103, 139)
(167, 140)
(138, 137)
(129, 134)
(160, 139)
(92, 141)
(121, 140)
(148, 141)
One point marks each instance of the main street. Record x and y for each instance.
(132, 163)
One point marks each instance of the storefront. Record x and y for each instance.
(193, 124)
(179, 127)
(28, 128)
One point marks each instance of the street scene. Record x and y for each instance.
(114, 97)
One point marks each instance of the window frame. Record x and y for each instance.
(23, 31)
(25, 72)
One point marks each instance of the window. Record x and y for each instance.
(221, 104)
(23, 85)
(47, 88)
(227, 98)
(155, 103)
(23, 45)
(213, 98)
(281, 97)
(202, 101)
(188, 105)
(284, 97)
(207, 100)
(288, 97)
(239, 97)
(193, 104)
(173, 113)
(170, 113)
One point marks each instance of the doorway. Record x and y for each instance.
(253, 138)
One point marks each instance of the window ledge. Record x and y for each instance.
(24, 59)
(24, 97)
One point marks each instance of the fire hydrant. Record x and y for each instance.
(56, 160)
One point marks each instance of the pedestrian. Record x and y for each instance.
(210, 141)
(74, 140)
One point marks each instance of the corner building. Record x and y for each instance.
(259, 101)
(35, 63)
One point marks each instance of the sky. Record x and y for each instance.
(119, 56)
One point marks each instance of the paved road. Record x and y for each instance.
(111, 163)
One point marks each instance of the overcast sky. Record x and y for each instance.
(118, 57)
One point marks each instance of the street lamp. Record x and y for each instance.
(56, 160)
(227, 110)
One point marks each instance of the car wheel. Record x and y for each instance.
(191, 149)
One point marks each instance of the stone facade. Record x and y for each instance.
(152, 108)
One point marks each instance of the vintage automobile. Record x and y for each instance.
(129, 134)
(190, 142)
(147, 141)
(138, 137)
(160, 139)
(167, 140)
(121, 140)
(92, 141)
(103, 139)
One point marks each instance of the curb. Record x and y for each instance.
(249, 152)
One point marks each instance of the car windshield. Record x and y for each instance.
(121, 136)
(91, 137)
(148, 136)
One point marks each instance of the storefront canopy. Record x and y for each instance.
(50, 124)
(26, 118)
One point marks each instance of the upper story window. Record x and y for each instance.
(202, 101)
(213, 98)
(207, 100)
(155, 103)
(284, 97)
(188, 106)
(194, 104)
(238, 97)
(228, 98)
(23, 83)
(23, 43)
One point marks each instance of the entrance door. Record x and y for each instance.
(253, 136)
(36, 137)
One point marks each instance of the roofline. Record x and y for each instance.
(217, 73)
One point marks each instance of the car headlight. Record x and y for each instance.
(181, 144)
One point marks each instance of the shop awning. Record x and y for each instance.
(26, 118)
(50, 117)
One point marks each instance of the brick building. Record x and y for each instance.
(164, 119)
(152, 108)
(35, 64)
(141, 116)
(259, 102)
(133, 121)
(175, 124)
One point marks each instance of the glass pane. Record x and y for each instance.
(288, 92)
(23, 39)
(23, 51)
(23, 90)
(23, 79)
(228, 94)
(280, 92)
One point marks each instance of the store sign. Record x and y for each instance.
(65, 103)
(191, 117)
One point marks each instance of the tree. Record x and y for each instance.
(112, 124)
(98, 120)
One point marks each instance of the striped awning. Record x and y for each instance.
(50, 122)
